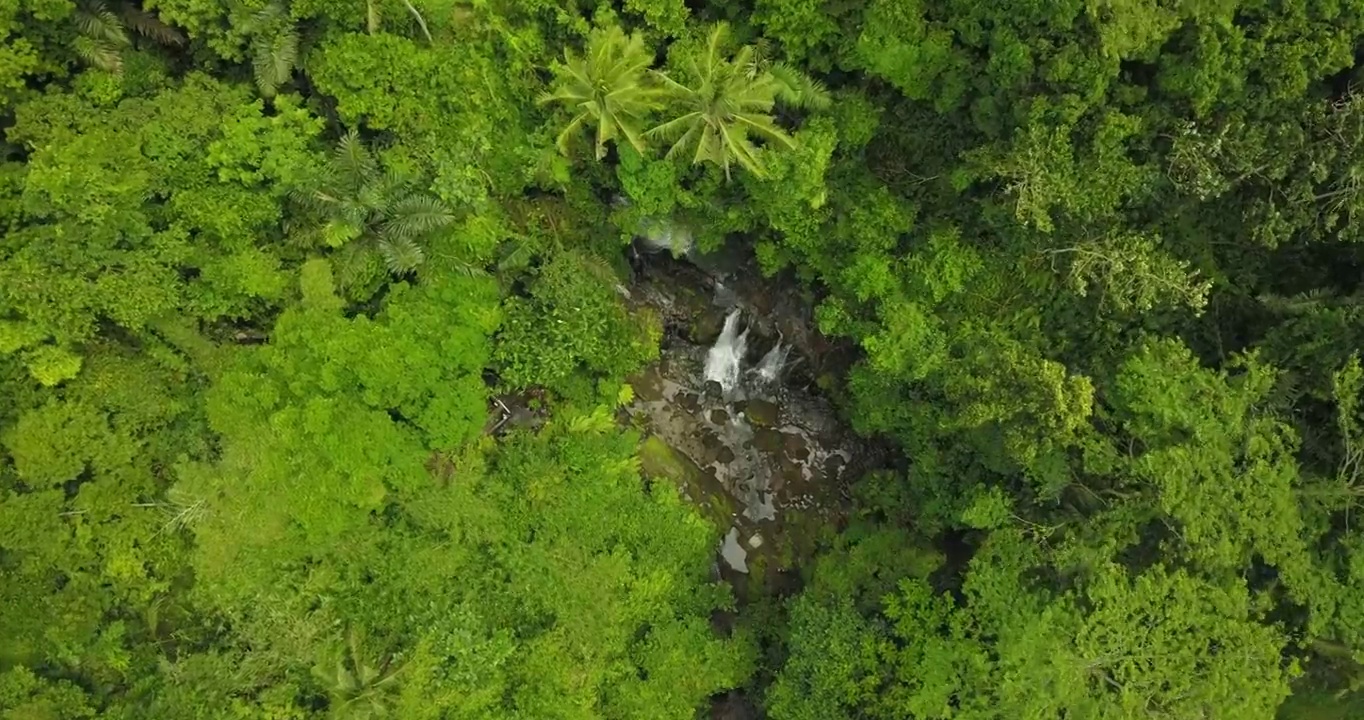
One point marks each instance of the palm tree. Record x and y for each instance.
(730, 105)
(609, 87)
(274, 46)
(102, 32)
(357, 688)
(354, 203)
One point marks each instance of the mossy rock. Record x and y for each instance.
(658, 459)
(762, 413)
(706, 327)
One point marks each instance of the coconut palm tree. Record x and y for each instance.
(728, 105)
(609, 87)
(357, 205)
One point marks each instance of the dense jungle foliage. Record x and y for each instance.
(266, 262)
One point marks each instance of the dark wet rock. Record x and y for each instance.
(719, 416)
(711, 445)
(767, 440)
(795, 446)
(833, 467)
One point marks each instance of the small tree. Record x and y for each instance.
(355, 202)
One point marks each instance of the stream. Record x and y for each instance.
(733, 413)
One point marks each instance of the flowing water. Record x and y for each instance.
(769, 369)
(726, 356)
(730, 414)
(733, 414)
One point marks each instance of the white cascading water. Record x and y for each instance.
(769, 368)
(724, 358)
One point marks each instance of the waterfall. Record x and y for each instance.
(769, 368)
(722, 362)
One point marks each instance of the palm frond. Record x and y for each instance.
(99, 53)
(692, 134)
(150, 26)
(338, 232)
(394, 184)
(728, 105)
(566, 135)
(352, 162)
(673, 87)
(267, 18)
(632, 134)
(309, 198)
(715, 45)
(273, 58)
(606, 130)
(417, 215)
(94, 20)
(464, 269)
(566, 95)
(765, 128)
(677, 127)
(799, 90)
(738, 146)
(401, 255)
(608, 86)
(709, 148)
